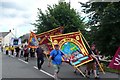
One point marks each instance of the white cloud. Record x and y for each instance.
(19, 14)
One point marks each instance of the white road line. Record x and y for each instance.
(12, 56)
(23, 61)
(45, 72)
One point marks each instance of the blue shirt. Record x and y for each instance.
(57, 56)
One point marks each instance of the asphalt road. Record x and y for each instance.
(13, 67)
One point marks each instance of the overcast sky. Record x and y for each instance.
(18, 14)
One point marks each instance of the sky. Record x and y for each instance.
(17, 15)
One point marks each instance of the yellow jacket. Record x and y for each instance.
(7, 48)
(12, 48)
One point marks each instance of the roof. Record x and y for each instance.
(3, 34)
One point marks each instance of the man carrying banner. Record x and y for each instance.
(92, 65)
(56, 57)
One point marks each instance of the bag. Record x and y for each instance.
(53, 57)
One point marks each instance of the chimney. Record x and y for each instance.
(9, 30)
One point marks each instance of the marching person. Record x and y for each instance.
(56, 57)
(7, 50)
(26, 53)
(32, 52)
(12, 50)
(17, 49)
(21, 54)
(96, 53)
(40, 57)
(92, 65)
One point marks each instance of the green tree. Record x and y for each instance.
(59, 15)
(104, 21)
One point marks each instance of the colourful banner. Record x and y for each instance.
(44, 38)
(32, 42)
(72, 45)
(115, 63)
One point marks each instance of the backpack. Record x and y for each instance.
(53, 57)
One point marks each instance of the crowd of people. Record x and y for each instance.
(19, 51)
(55, 57)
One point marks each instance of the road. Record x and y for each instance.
(13, 67)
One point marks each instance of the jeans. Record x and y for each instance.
(40, 62)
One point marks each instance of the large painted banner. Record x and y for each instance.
(44, 38)
(115, 63)
(72, 44)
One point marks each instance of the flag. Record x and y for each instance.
(44, 38)
(115, 63)
(32, 41)
(73, 45)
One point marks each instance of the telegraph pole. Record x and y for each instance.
(69, 4)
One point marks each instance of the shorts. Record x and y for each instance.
(91, 66)
(56, 68)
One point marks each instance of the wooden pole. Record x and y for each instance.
(79, 71)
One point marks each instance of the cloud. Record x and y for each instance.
(11, 5)
(19, 14)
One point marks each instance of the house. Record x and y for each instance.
(5, 38)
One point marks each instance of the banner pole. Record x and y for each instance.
(79, 71)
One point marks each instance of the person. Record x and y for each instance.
(21, 55)
(12, 50)
(92, 65)
(32, 52)
(56, 57)
(40, 57)
(2, 48)
(95, 51)
(17, 49)
(26, 53)
(7, 50)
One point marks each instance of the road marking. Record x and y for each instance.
(23, 61)
(12, 56)
(44, 72)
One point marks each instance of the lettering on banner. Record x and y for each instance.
(117, 59)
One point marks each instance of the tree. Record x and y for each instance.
(104, 21)
(59, 15)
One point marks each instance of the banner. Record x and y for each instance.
(44, 38)
(115, 63)
(15, 41)
(32, 42)
(72, 44)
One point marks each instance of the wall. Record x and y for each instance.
(7, 39)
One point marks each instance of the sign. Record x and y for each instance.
(115, 63)
(72, 44)
(15, 41)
